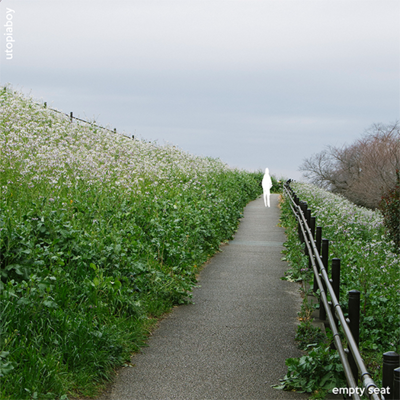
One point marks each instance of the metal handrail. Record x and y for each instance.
(312, 250)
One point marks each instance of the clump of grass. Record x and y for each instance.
(309, 335)
(100, 235)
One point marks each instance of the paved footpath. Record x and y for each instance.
(233, 341)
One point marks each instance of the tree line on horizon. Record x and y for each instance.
(366, 172)
(362, 171)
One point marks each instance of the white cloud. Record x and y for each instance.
(218, 35)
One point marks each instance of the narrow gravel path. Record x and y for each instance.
(233, 341)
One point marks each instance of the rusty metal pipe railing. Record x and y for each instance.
(317, 264)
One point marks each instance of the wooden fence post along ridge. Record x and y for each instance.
(317, 250)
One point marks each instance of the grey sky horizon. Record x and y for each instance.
(256, 83)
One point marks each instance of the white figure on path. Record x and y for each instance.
(266, 185)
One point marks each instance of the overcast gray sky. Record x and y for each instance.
(257, 83)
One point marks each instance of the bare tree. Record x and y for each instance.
(318, 169)
(363, 171)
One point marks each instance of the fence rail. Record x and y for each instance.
(353, 364)
(71, 117)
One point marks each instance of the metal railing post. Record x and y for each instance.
(325, 254)
(354, 325)
(300, 231)
(312, 228)
(391, 361)
(313, 221)
(306, 213)
(396, 384)
(318, 241)
(336, 282)
(308, 216)
(302, 208)
(336, 276)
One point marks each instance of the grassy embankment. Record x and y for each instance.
(368, 264)
(100, 235)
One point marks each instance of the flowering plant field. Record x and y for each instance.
(368, 264)
(99, 235)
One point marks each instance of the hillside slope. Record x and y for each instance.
(99, 235)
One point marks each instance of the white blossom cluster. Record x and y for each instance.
(42, 147)
(356, 236)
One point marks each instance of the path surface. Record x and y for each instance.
(233, 341)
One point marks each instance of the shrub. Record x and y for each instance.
(390, 207)
(277, 185)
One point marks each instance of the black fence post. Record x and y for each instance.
(336, 282)
(325, 254)
(312, 229)
(354, 325)
(301, 237)
(336, 277)
(71, 115)
(300, 232)
(312, 226)
(396, 384)
(318, 241)
(391, 361)
(304, 207)
(306, 212)
(308, 216)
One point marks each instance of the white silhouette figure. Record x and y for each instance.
(266, 185)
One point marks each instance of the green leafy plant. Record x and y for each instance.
(307, 334)
(277, 184)
(318, 373)
(5, 366)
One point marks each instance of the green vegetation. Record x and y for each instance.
(390, 207)
(368, 264)
(100, 235)
(308, 335)
(277, 185)
(317, 372)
